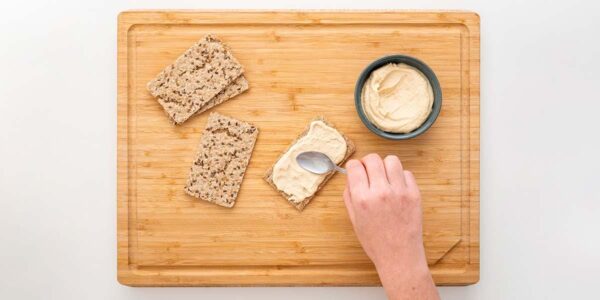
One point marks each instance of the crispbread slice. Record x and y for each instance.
(237, 87)
(197, 76)
(350, 148)
(223, 155)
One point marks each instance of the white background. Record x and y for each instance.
(540, 138)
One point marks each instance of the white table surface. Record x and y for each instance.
(540, 199)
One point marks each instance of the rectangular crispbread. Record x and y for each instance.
(197, 76)
(237, 87)
(223, 155)
(350, 148)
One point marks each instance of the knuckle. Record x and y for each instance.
(410, 196)
(363, 204)
(362, 197)
(403, 196)
(415, 196)
(383, 193)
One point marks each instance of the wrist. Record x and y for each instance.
(407, 257)
(403, 280)
(398, 264)
(401, 269)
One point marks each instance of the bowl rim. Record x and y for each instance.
(413, 62)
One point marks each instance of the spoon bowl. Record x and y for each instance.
(317, 163)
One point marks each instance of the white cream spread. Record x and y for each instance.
(292, 179)
(397, 98)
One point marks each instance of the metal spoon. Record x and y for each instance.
(317, 162)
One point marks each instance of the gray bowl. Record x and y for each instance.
(413, 62)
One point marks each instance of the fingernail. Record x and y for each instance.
(351, 162)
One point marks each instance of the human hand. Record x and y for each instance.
(384, 205)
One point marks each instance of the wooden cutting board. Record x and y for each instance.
(299, 65)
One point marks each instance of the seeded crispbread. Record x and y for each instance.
(237, 87)
(224, 152)
(198, 75)
(350, 148)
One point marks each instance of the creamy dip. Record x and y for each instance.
(292, 179)
(397, 98)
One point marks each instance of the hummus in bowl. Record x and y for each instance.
(398, 97)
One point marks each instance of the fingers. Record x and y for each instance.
(394, 171)
(411, 185)
(348, 202)
(357, 180)
(375, 171)
(410, 180)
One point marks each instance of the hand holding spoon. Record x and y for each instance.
(317, 162)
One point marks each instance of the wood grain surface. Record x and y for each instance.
(299, 65)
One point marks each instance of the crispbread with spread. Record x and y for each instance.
(350, 148)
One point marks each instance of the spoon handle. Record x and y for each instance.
(339, 169)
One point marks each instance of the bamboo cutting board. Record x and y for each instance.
(299, 65)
